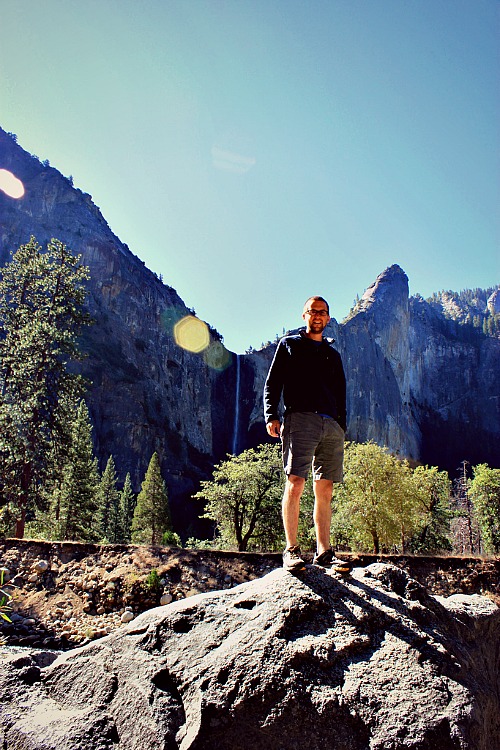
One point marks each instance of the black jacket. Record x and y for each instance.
(310, 376)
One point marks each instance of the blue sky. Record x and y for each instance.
(255, 152)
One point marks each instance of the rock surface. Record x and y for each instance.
(371, 662)
(86, 589)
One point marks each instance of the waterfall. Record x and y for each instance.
(234, 449)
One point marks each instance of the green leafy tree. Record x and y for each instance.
(378, 505)
(244, 499)
(127, 507)
(111, 521)
(152, 513)
(41, 315)
(76, 503)
(434, 488)
(485, 495)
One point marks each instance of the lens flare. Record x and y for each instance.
(10, 184)
(217, 356)
(191, 334)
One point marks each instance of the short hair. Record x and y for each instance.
(317, 298)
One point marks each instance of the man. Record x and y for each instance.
(309, 374)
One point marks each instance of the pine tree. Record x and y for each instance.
(152, 513)
(41, 315)
(111, 525)
(77, 509)
(127, 507)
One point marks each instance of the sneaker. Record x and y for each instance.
(328, 560)
(292, 559)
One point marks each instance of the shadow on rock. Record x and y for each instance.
(370, 662)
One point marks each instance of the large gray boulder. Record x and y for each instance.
(279, 663)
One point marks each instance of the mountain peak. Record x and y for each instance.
(389, 288)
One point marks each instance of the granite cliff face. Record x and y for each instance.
(434, 384)
(147, 392)
(418, 381)
(415, 382)
(455, 389)
(376, 343)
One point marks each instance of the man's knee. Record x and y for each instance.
(294, 485)
(323, 489)
(295, 481)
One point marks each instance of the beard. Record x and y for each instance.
(317, 326)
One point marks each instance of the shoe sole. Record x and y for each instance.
(342, 569)
(294, 568)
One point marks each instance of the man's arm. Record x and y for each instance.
(341, 395)
(272, 391)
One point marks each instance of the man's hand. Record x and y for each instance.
(273, 428)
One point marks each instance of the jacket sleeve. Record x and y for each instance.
(341, 395)
(274, 383)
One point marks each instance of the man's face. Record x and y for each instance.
(316, 316)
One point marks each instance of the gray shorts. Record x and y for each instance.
(308, 439)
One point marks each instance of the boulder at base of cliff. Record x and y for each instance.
(312, 661)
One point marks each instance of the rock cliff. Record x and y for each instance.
(416, 382)
(372, 662)
(147, 392)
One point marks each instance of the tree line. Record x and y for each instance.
(49, 479)
(382, 505)
(50, 485)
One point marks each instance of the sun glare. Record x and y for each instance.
(192, 334)
(11, 185)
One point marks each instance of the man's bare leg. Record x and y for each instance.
(290, 508)
(323, 491)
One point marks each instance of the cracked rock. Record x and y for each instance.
(282, 662)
